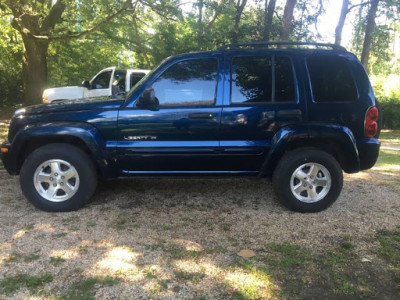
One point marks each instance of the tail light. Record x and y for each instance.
(371, 122)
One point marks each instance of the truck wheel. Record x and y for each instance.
(58, 177)
(308, 180)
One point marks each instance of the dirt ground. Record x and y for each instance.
(180, 239)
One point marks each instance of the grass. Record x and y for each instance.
(388, 158)
(85, 290)
(70, 220)
(13, 257)
(390, 135)
(195, 276)
(254, 283)
(339, 273)
(390, 247)
(285, 256)
(12, 284)
(56, 260)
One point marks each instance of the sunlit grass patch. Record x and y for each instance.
(120, 261)
(390, 135)
(250, 283)
(389, 158)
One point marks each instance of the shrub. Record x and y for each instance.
(390, 109)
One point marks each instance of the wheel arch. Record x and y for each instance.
(81, 135)
(338, 141)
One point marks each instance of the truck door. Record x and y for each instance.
(101, 84)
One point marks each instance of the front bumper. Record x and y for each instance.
(7, 158)
(368, 152)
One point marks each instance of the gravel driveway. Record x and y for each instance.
(179, 238)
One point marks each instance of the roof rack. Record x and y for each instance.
(262, 44)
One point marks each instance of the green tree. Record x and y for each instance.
(10, 69)
(40, 22)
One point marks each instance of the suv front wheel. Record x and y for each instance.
(58, 177)
(308, 180)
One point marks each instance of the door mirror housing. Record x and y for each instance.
(148, 99)
(86, 84)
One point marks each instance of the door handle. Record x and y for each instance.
(201, 115)
(289, 113)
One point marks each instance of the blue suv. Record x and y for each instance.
(298, 112)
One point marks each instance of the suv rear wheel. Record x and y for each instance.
(308, 180)
(58, 177)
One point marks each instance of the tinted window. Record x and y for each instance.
(135, 78)
(262, 79)
(331, 79)
(251, 79)
(102, 81)
(191, 82)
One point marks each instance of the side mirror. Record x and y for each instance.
(86, 84)
(148, 99)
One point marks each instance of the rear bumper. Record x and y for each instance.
(368, 152)
(7, 158)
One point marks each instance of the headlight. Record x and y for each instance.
(45, 97)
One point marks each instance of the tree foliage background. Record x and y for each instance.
(93, 34)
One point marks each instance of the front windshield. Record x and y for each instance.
(127, 96)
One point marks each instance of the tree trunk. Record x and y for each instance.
(368, 33)
(239, 11)
(287, 19)
(34, 69)
(140, 44)
(200, 25)
(342, 19)
(269, 13)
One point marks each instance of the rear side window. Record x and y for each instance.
(331, 79)
(262, 79)
(135, 78)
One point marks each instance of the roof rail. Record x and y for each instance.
(262, 44)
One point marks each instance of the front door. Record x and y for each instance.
(180, 133)
(101, 84)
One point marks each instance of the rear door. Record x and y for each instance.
(180, 135)
(263, 97)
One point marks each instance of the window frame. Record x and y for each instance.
(273, 81)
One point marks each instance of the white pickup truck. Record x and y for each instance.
(108, 82)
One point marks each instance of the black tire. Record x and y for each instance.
(317, 189)
(70, 193)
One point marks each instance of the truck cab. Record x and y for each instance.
(108, 82)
